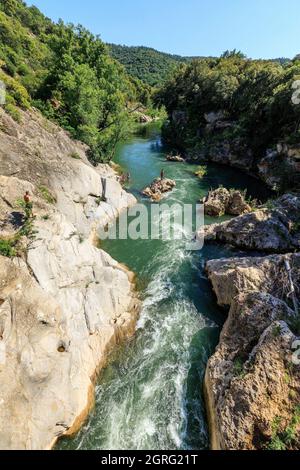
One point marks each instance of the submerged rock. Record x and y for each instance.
(222, 201)
(158, 188)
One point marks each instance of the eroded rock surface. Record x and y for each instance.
(221, 201)
(274, 229)
(252, 384)
(175, 158)
(280, 167)
(43, 154)
(158, 188)
(63, 302)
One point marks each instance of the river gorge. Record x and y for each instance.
(150, 396)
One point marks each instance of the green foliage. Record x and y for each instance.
(276, 444)
(238, 367)
(147, 64)
(11, 246)
(13, 111)
(255, 96)
(47, 195)
(16, 93)
(75, 156)
(276, 331)
(201, 171)
(69, 75)
(7, 247)
(283, 439)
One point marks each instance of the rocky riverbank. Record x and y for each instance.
(64, 303)
(252, 381)
(278, 167)
(222, 201)
(274, 229)
(158, 188)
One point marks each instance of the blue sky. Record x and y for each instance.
(259, 28)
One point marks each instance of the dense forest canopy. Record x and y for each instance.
(147, 64)
(154, 67)
(255, 96)
(68, 74)
(75, 80)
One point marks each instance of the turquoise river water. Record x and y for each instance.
(150, 395)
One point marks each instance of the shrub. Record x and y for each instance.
(47, 195)
(238, 367)
(13, 111)
(201, 171)
(75, 155)
(16, 90)
(283, 439)
(7, 247)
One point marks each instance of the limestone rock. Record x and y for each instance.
(214, 116)
(280, 168)
(216, 202)
(269, 230)
(237, 204)
(175, 158)
(250, 380)
(144, 119)
(221, 201)
(233, 153)
(158, 188)
(66, 303)
(230, 276)
(40, 152)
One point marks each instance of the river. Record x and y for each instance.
(150, 396)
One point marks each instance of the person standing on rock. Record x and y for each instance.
(28, 205)
(104, 186)
(162, 175)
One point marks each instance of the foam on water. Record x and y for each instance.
(142, 405)
(150, 395)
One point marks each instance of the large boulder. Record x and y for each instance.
(158, 188)
(251, 381)
(222, 201)
(237, 204)
(230, 276)
(216, 202)
(175, 158)
(274, 229)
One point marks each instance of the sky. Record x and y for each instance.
(259, 28)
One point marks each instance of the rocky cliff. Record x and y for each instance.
(63, 302)
(278, 167)
(268, 229)
(252, 381)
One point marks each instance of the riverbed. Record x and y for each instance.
(150, 396)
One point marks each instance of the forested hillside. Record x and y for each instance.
(154, 67)
(68, 74)
(147, 64)
(251, 101)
